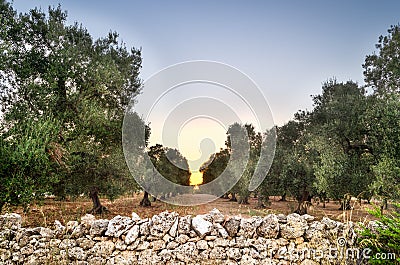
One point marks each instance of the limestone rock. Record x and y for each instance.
(158, 245)
(99, 227)
(269, 227)
(28, 250)
(234, 253)
(174, 228)
(85, 243)
(316, 230)
(162, 223)
(172, 245)
(132, 235)
(167, 238)
(11, 221)
(103, 249)
(218, 253)
(232, 226)
(330, 224)
(210, 238)
(202, 244)
(220, 242)
(186, 252)
(143, 245)
(295, 226)
(135, 217)
(118, 225)
(201, 226)
(46, 232)
(217, 216)
(248, 260)
(59, 228)
(282, 218)
(87, 220)
(71, 225)
(308, 218)
(308, 262)
(221, 230)
(182, 239)
(184, 224)
(166, 255)
(145, 228)
(262, 244)
(170, 239)
(148, 257)
(77, 253)
(67, 243)
(249, 226)
(118, 260)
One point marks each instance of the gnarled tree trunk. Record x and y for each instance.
(345, 203)
(145, 202)
(303, 203)
(244, 200)
(261, 200)
(97, 207)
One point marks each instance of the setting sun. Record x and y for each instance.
(196, 178)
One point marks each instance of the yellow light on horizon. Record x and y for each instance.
(196, 178)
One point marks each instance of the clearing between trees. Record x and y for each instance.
(50, 210)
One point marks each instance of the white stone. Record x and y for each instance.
(99, 227)
(87, 220)
(132, 235)
(184, 224)
(201, 226)
(221, 230)
(135, 217)
(162, 223)
(217, 216)
(174, 228)
(118, 225)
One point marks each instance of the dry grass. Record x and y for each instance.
(64, 211)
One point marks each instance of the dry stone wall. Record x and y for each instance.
(168, 238)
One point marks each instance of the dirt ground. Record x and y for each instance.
(50, 210)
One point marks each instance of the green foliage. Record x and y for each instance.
(51, 69)
(171, 165)
(338, 135)
(214, 167)
(254, 141)
(381, 70)
(291, 172)
(387, 183)
(383, 238)
(383, 114)
(27, 160)
(348, 144)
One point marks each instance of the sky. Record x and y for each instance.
(288, 48)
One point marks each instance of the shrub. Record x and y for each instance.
(383, 239)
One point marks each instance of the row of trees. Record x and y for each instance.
(63, 96)
(347, 145)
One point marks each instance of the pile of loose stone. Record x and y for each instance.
(167, 238)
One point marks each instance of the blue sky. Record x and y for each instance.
(289, 48)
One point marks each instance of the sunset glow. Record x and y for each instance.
(196, 178)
